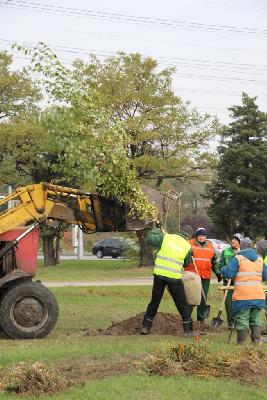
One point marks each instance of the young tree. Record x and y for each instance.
(239, 192)
(125, 126)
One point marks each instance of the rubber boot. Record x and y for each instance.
(256, 335)
(241, 335)
(147, 323)
(231, 325)
(189, 330)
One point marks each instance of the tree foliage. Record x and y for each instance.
(239, 192)
(17, 91)
(91, 143)
(165, 139)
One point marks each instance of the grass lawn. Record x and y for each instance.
(86, 309)
(91, 270)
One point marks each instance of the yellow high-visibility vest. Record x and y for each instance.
(170, 258)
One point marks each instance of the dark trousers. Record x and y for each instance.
(201, 308)
(177, 292)
(228, 305)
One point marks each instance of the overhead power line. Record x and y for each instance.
(234, 4)
(188, 89)
(135, 19)
(142, 38)
(219, 66)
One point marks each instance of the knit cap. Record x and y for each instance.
(238, 237)
(262, 245)
(246, 243)
(200, 231)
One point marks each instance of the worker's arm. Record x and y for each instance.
(215, 268)
(230, 271)
(264, 272)
(222, 261)
(188, 257)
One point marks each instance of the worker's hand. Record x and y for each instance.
(159, 225)
(219, 277)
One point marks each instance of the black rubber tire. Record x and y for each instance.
(115, 256)
(28, 310)
(99, 253)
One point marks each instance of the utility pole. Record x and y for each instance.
(80, 244)
(179, 210)
(74, 237)
(9, 191)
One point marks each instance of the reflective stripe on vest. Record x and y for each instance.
(248, 285)
(249, 273)
(203, 256)
(170, 258)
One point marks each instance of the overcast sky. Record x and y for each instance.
(219, 47)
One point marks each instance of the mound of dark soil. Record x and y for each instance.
(163, 324)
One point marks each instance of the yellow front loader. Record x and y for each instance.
(27, 308)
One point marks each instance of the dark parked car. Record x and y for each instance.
(112, 246)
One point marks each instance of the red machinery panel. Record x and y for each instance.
(27, 248)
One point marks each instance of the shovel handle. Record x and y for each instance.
(224, 296)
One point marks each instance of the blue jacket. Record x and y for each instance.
(230, 271)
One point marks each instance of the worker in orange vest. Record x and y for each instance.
(206, 262)
(248, 271)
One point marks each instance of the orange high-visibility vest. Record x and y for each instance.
(248, 280)
(203, 256)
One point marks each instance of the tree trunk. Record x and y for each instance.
(49, 251)
(146, 254)
(57, 249)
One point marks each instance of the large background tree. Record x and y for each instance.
(165, 138)
(19, 97)
(239, 192)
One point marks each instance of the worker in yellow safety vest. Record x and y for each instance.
(173, 255)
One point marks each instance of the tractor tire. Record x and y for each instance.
(28, 310)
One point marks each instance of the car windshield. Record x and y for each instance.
(217, 241)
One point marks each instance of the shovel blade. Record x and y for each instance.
(207, 310)
(216, 322)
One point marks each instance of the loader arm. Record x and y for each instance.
(45, 202)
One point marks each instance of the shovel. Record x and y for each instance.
(217, 321)
(207, 306)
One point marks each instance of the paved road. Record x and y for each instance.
(145, 281)
(114, 282)
(85, 257)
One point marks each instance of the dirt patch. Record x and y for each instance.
(251, 367)
(26, 379)
(84, 369)
(163, 324)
